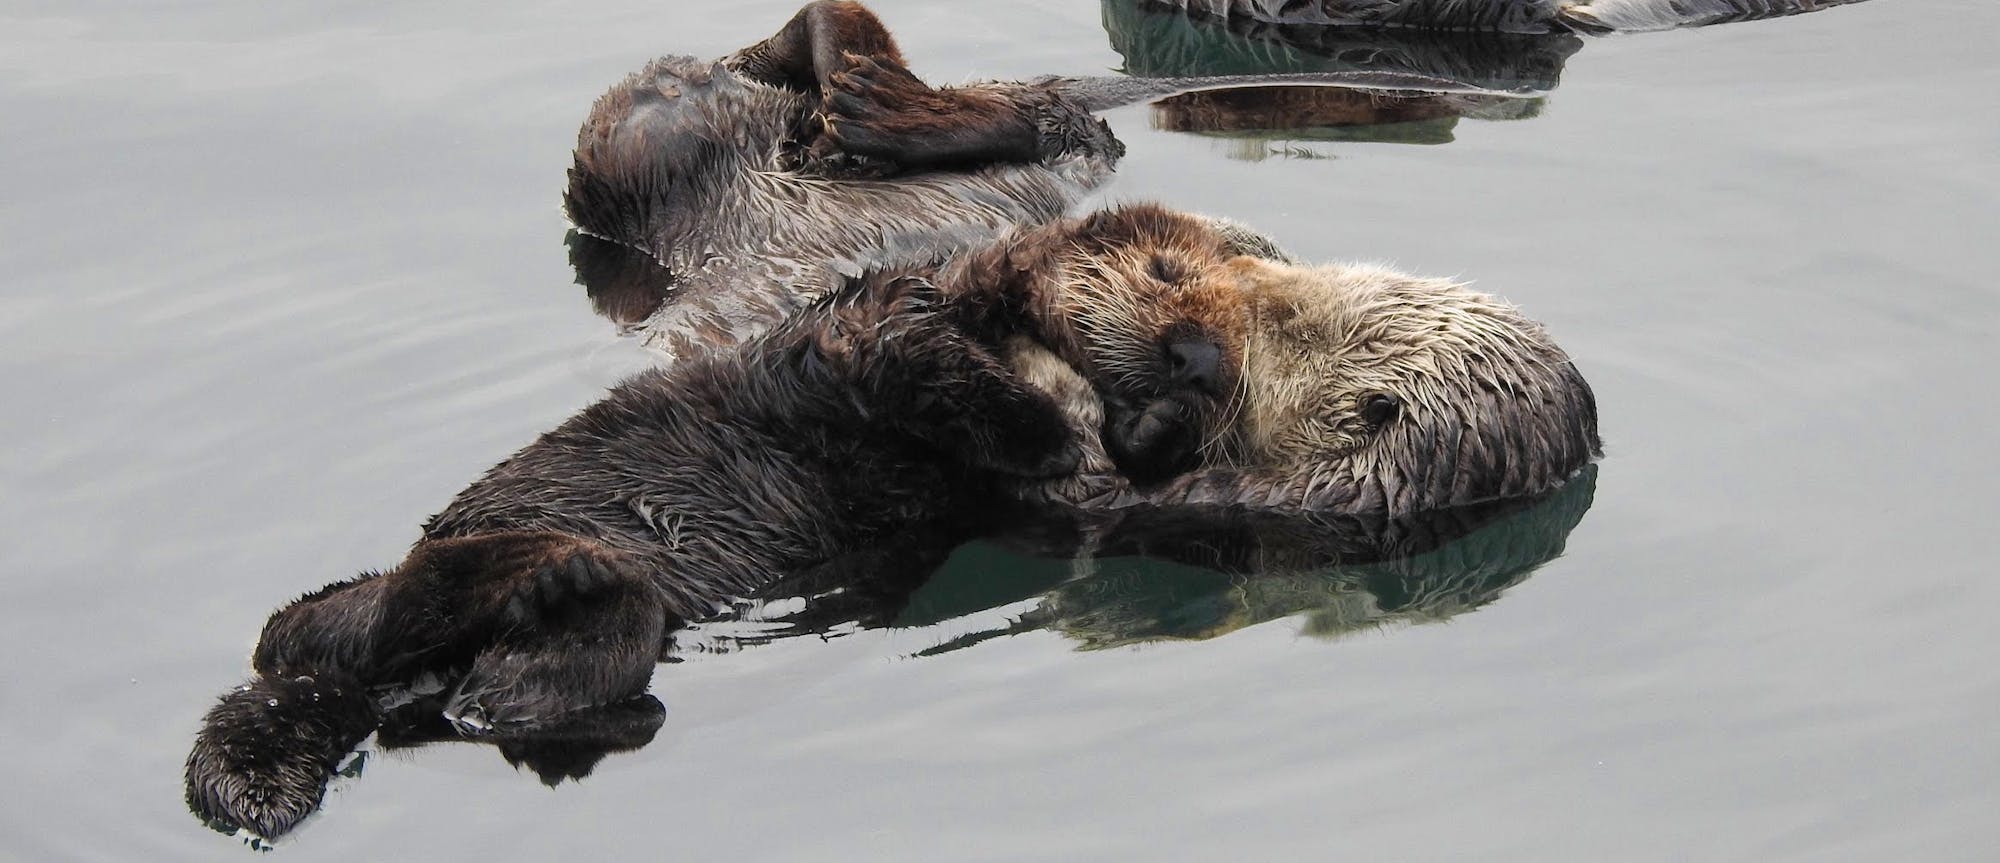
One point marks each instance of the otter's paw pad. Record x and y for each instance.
(558, 586)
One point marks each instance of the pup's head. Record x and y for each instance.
(1222, 369)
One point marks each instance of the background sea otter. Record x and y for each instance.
(1174, 359)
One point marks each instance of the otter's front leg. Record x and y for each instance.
(903, 345)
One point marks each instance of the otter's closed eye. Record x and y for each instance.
(1380, 409)
(1166, 269)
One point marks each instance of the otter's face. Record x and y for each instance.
(1346, 387)
(1412, 393)
(1145, 305)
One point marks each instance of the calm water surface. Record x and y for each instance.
(279, 281)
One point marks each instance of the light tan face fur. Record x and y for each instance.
(1320, 339)
(1486, 404)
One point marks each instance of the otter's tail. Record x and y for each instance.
(267, 749)
(1100, 93)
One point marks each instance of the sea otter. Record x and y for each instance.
(885, 326)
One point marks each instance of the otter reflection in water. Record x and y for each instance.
(1515, 48)
(1176, 574)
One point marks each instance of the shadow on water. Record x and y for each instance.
(625, 285)
(1180, 575)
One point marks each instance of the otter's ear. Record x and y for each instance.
(1238, 239)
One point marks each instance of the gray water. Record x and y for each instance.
(280, 280)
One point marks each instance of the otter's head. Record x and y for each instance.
(1222, 369)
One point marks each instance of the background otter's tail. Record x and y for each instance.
(1501, 16)
(1100, 93)
(268, 748)
(1591, 16)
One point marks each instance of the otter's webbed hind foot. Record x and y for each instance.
(578, 632)
(267, 750)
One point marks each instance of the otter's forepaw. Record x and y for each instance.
(1020, 433)
(1041, 463)
(1153, 442)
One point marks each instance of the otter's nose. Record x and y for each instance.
(1195, 363)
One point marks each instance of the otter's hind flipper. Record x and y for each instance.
(578, 632)
(810, 45)
(268, 748)
(546, 621)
